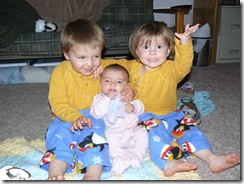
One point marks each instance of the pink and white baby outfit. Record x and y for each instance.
(128, 143)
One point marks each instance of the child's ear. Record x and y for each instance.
(137, 53)
(65, 54)
(168, 52)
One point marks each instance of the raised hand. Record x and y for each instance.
(185, 37)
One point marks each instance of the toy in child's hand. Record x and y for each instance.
(116, 110)
(14, 173)
(41, 26)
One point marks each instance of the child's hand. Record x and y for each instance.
(185, 37)
(129, 108)
(127, 94)
(80, 122)
(97, 72)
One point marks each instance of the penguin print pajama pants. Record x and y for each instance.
(172, 136)
(79, 149)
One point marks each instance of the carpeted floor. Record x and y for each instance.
(24, 111)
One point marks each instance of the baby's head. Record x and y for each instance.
(114, 79)
(149, 32)
(82, 42)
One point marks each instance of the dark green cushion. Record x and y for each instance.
(126, 14)
(16, 17)
(35, 44)
(117, 37)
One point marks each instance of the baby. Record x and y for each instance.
(128, 143)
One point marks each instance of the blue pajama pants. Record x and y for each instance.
(79, 149)
(172, 136)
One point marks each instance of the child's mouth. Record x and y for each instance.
(113, 91)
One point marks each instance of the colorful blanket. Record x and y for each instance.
(26, 155)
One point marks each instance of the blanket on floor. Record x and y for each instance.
(202, 101)
(26, 155)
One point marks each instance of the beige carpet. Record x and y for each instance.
(18, 146)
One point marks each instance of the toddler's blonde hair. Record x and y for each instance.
(82, 32)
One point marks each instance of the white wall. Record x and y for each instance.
(169, 19)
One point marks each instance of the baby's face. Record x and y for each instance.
(113, 81)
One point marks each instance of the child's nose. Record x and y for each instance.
(113, 83)
(152, 51)
(90, 62)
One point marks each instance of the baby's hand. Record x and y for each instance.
(79, 123)
(185, 37)
(129, 108)
(127, 94)
(111, 95)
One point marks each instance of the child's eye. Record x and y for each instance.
(98, 56)
(160, 46)
(81, 57)
(145, 47)
(120, 82)
(107, 81)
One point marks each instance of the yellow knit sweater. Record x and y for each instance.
(157, 88)
(70, 91)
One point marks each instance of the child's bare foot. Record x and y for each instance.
(175, 166)
(59, 177)
(223, 162)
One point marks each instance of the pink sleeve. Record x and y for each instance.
(100, 106)
(139, 107)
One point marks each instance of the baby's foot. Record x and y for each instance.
(135, 162)
(224, 162)
(175, 166)
(59, 177)
(119, 165)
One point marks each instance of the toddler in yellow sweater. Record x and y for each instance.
(162, 61)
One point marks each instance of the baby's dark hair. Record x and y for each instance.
(117, 67)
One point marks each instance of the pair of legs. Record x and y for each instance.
(127, 147)
(216, 163)
(57, 170)
(67, 151)
(175, 128)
